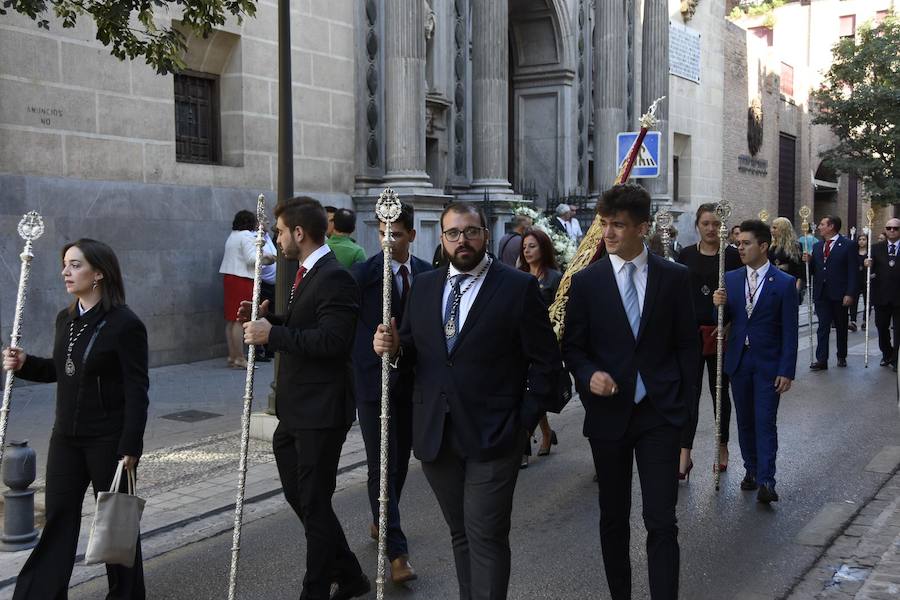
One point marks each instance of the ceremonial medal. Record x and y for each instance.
(450, 328)
(70, 367)
(705, 290)
(749, 308)
(892, 262)
(73, 337)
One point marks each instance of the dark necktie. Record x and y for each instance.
(451, 311)
(893, 250)
(404, 290)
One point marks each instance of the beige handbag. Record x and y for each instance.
(117, 523)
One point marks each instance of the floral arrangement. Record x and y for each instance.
(563, 245)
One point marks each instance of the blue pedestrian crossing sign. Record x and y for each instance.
(647, 162)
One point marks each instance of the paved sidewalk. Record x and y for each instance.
(863, 562)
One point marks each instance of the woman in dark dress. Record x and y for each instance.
(99, 365)
(862, 253)
(537, 257)
(702, 261)
(786, 254)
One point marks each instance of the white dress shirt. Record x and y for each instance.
(313, 258)
(398, 281)
(760, 281)
(640, 275)
(573, 228)
(469, 295)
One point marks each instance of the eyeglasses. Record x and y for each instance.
(890, 228)
(470, 233)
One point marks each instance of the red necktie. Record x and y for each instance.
(404, 286)
(300, 273)
(827, 248)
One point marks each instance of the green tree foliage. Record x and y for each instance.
(128, 27)
(860, 101)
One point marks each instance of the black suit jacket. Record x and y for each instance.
(598, 338)
(885, 278)
(502, 373)
(315, 339)
(107, 396)
(367, 364)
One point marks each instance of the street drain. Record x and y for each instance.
(190, 416)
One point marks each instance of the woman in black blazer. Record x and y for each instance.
(99, 365)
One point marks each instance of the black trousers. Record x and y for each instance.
(307, 461)
(831, 311)
(476, 499)
(72, 464)
(653, 441)
(884, 316)
(689, 431)
(399, 447)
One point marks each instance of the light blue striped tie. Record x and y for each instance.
(633, 311)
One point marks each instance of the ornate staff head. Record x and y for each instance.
(764, 216)
(870, 214)
(723, 213)
(805, 214)
(663, 223)
(648, 119)
(31, 227)
(387, 209)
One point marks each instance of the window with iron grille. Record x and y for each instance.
(197, 118)
(787, 79)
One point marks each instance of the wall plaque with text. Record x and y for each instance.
(684, 52)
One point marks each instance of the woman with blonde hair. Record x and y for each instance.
(785, 252)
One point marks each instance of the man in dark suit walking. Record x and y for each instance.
(367, 375)
(885, 262)
(834, 269)
(761, 304)
(486, 365)
(631, 344)
(314, 394)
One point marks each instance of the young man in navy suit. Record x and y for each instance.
(487, 364)
(761, 304)
(367, 379)
(631, 343)
(835, 272)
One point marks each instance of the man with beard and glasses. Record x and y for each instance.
(314, 393)
(487, 365)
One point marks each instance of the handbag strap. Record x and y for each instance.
(132, 481)
(117, 478)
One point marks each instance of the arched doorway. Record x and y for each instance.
(541, 84)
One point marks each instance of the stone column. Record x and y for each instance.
(404, 94)
(655, 83)
(490, 97)
(610, 80)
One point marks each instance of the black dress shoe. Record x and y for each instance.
(354, 588)
(818, 366)
(842, 362)
(884, 362)
(748, 483)
(766, 494)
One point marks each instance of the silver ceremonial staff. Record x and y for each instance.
(387, 209)
(870, 214)
(806, 228)
(31, 227)
(663, 222)
(248, 401)
(723, 212)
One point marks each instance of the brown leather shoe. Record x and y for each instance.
(401, 570)
(373, 531)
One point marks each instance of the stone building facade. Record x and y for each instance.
(500, 101)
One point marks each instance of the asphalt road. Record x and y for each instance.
(831, 425)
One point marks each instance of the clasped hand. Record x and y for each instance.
(387, 339)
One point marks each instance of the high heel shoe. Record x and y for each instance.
(686, 476)
(553, 442)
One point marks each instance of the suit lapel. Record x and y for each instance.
(489, 286)
(609, 286)
(650, 294)
(436, 303)
(307, 279)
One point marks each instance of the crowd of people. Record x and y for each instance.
(476, 368)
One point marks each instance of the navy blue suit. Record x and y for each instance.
(761, 347)
(367, 378)
(832, 280)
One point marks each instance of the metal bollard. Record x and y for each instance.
(19, 470)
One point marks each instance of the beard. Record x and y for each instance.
(291, 251)
(469, 263)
